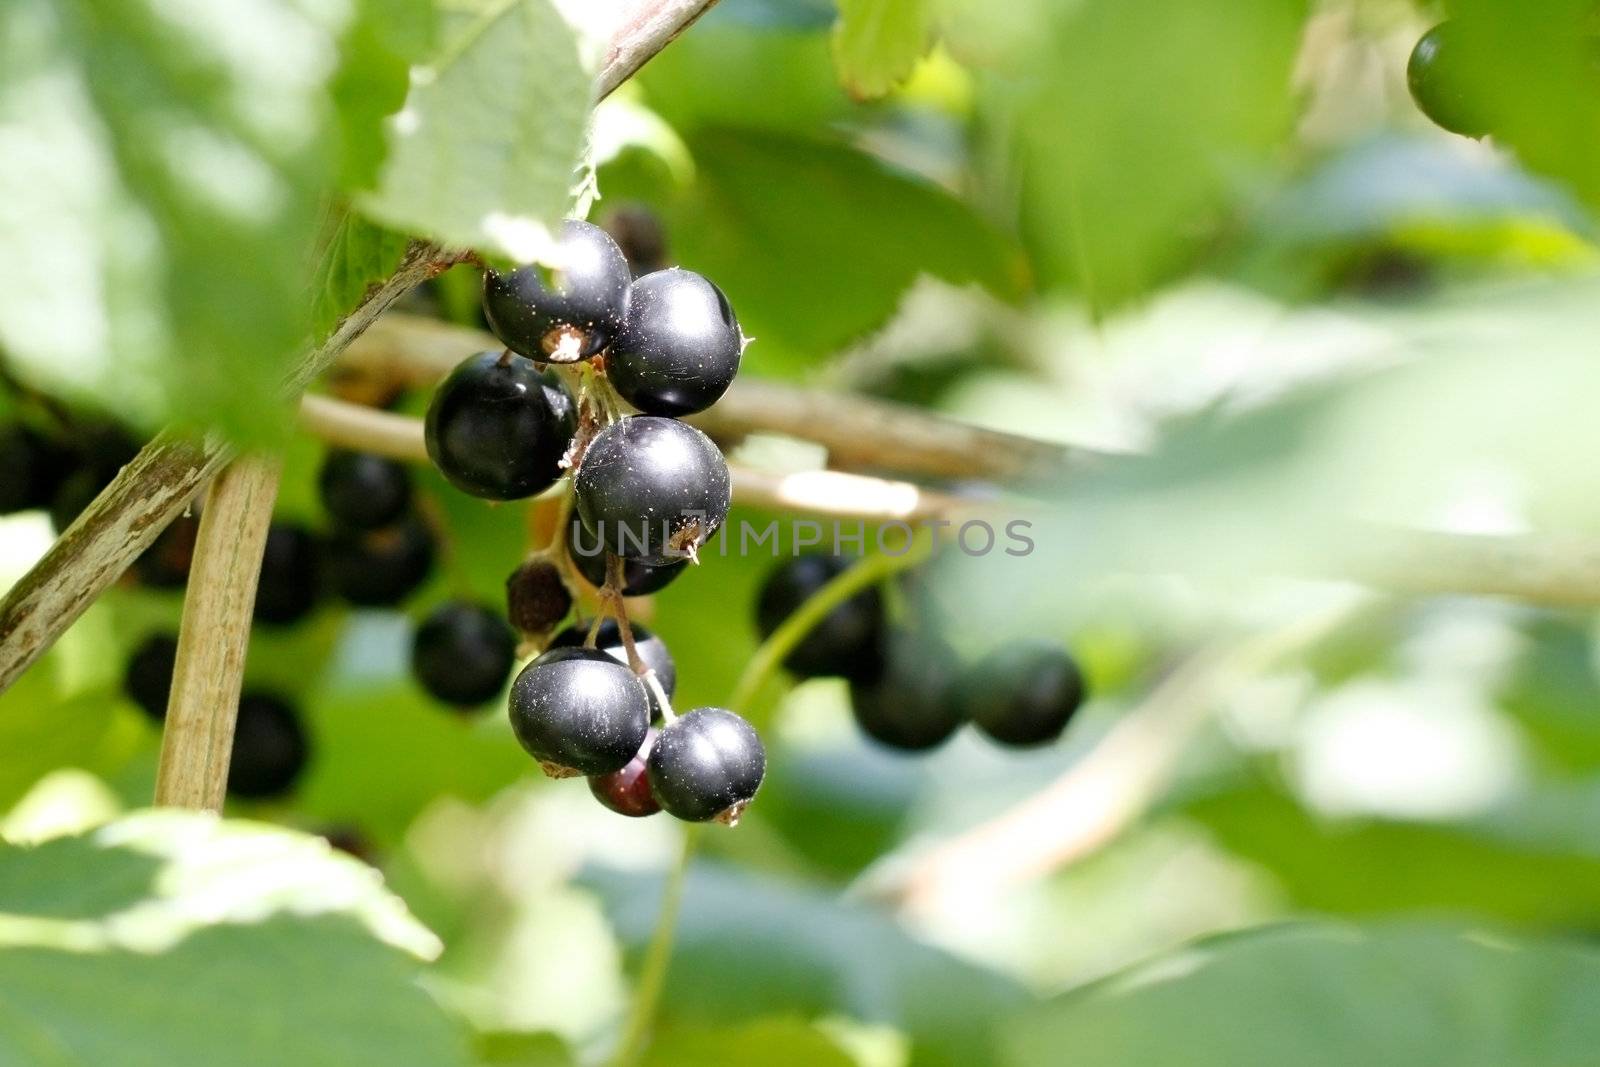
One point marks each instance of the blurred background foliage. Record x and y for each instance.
(1219, 234)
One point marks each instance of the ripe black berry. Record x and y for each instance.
(269, 747)
(536, 597)
(579, 711)
(291, 569)
(498, 426)
(705, 765)
(1023, 694)
(638, 579)
(651, 649)
(381, 568)
(1444, 75)
(652, 489)
(463, 654)
(627, 791)
(848, 641)
(32, 469)
(165, 564)
(363, 492)
(148, 678)
(679, 345)
(575, 313)
(640, 237)
(914, 706)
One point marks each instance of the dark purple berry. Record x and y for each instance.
(914, 705)
(638, 579)
(380, 568)
(679, 346)
(463, 654)
(640, 237)
(165, 564)
(627, 791)
(361, 491)
(269, 747)
(570, 312)
(579, 711)
(652, 489)
(498, 427)
(537, 597)
(148, 678)
(706, 765)
(291, 573)
(1023, 693)
(652, 652)
(848, 641)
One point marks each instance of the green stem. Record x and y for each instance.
(653, 972)
(866, 572)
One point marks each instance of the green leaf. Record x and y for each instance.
(358, 256)
(172, 937)
(501, 1048)
(1320, 996)
(1145, 117)
(162, 168)
(876, 43)
(484, 152)
(374, 74)
(769, 1042)
(828, 261)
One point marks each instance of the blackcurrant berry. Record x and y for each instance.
(363, 492)
(537, 597)
(1444, 75)
(638, 579)
(679, 345)
(165, 564)
(627, 791)
(652, 652)
(579, 711)
(380, 568)
(652, 489)
(269, 747)
(705, 765)
(463, 654)
(148, 678)
(848, 641)
(640, 237)
(1023, 694)
(32, 468)
(291, 572)
(575, 313)
(914, 706)
(498, 427)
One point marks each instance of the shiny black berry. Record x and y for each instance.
(269, 747)
(640, 237)
(627, 791)
(652, 652)
(579, 711)
(652, 489)
(165, 564)
(1445, 75)
(848, 641)
(706, 765)
(148, 678)
(361, 491)
(638, 579)
(463, 654)
(569, 312)
(380, 568)
(291, 575)
(498, 426)
(915, 705)
(1023, 693)
(537, 597)
(679, 345)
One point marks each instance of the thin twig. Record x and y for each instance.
(197, 738)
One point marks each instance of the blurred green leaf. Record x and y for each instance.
(1554, 691)
(161, 172)
(184, 939)
(876, 43)
(1143, 118)
(358, 256)
(849, 235)
(1318, 996)
(374, 73)
(484, 152)
(506, 1049)
(769, 1042)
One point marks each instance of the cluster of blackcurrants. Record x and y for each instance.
(647, 491)
(907, 690)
